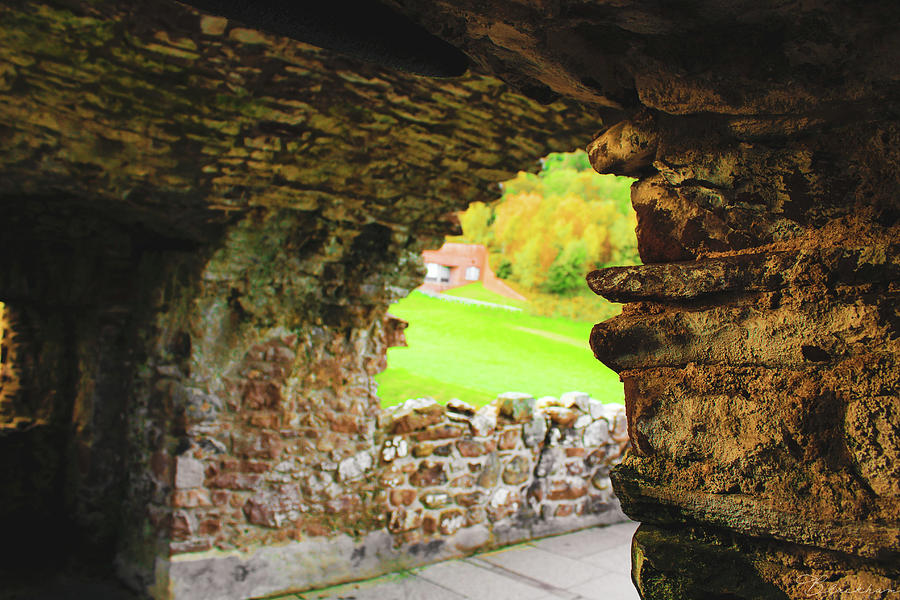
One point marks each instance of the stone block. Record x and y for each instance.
(534, 432)
(395, 447)
(596, 434)
(476, 514)
(569, 488)
(355, 466)
(490, 474)
(578, 400)
(436, 499)
(346, 505)
(182, 525)
(430, 524)
(482, 424)
(515, 406)
(601, 481)
(257, 445)
(547, 462)
(451, 521)
(595, 408)
(575, 468)
(405, 519)
(503, 503)
(189, 472)
(210, 25)
(471, 448)
(458, 407)
(509, 439)
(517, 471)
(261, 395)
(469, 499)
(463, 481)
(582, 421)
(392, 476)
(416, 414)
(429, 474)
(560, 416)
(235, 481)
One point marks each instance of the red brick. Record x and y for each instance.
(234, 481)
(341, 422)
(264, 420)
(209, 526)
(567, 490)
(260, 395)
(428, 475)
(509, 439)
(429, 524)
(190, 498)
(403, 497)
(249, 466)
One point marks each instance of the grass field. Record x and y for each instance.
(475, 353)
(477, 291)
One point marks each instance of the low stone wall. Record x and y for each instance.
(436, 482)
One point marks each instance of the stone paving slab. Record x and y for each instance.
(592, 564)
(527, 561)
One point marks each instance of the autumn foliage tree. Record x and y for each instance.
(550, 229)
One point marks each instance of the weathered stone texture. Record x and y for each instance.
(203, 226)
(759, 355)
(462, 493)
(759, 346)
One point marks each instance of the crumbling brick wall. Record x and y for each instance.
(422, 483)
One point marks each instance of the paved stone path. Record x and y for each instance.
(593, 564)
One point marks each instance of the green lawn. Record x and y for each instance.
(477, 291)
(474, 353)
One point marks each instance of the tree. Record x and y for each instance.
(548, 230)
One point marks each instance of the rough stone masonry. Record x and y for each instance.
(179, 189)
(202, 228)
(427, 483)
(759, 341)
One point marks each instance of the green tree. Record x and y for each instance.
(548, 230)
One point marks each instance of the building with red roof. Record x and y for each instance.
(456, 264)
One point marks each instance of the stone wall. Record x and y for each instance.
(203, 226)
(766, 373)
(422, 483)
(760, 341)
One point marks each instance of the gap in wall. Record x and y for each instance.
(505, 306)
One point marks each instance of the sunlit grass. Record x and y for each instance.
(477, 291)
(475, 353)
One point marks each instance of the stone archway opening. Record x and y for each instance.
(759, 351)
(504, 304)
